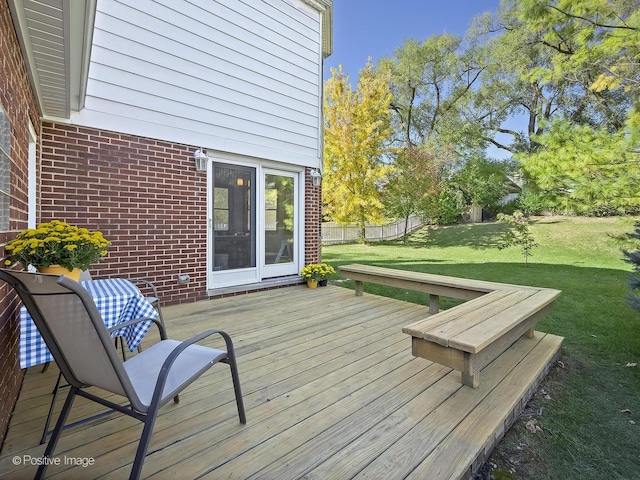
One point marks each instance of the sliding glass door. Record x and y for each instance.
(254, 219)
(234, 224)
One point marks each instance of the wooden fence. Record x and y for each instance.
(333, 233)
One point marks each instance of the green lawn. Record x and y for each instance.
(589, 405)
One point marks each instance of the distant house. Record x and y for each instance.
(104, 107)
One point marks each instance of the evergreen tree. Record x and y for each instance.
(634, 281)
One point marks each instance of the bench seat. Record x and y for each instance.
(469, 336)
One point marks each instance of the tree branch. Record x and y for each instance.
(499, 145)
(593, 22)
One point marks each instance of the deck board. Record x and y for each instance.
(331, 391)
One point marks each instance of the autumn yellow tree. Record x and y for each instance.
(356, 138)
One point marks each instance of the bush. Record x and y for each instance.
(449, 209)
(608, 210)
(530, 202)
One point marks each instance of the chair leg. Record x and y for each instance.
(143, 445)
(159, 310)
(46, 366)
(124, 357)
(236, 386)
(53, 402)
(55, 436)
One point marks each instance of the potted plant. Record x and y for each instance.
(325, 271)
(314, 273)
(57, 247)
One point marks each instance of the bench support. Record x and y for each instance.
(359, 288)
(468, 363)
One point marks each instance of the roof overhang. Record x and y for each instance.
(326, 8)
(55, 38)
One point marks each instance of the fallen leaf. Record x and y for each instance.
(532, 426)
(547, 397)
(630, 364)
(626, 410)
(560, 363)
(632, 422)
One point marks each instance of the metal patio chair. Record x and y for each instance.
(77, 337)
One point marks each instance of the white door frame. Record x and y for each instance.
(237, 277)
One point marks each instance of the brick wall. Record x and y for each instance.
(313, 221)
(143, 194)
(20, 105)
(147, 198)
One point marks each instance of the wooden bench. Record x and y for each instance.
(469, 336)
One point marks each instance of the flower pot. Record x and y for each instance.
(312, 283)
(322, 283)
(59, 270)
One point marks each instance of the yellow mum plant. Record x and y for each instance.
(317, 271)
(56, 243)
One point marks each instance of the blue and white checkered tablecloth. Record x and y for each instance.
(118, 301)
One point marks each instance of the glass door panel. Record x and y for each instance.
(278, 219)
(234, 221)
(280, 232)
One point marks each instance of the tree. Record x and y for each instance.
(516, 81)
(595, 42)
(357, 132)
(517, 234)
(634, 282)
(587, 156)
(482, 182)
(416, 183)
(431, 81)
(583, 168)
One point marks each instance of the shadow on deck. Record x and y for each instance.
(331, 391)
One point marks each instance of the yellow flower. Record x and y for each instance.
(58, 243)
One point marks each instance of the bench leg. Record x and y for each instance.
(529, 333)
(471, 380)
(434, 304)
(470, 377)
(358, 288)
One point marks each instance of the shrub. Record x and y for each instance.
(530, 202)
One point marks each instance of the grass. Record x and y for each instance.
(589, 406)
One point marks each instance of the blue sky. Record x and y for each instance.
(375, 28)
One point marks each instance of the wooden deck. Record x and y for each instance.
(331, 391)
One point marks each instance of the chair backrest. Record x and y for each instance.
(85, 276)
(71, 326)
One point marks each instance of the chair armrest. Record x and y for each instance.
(148, 284)
(166, 366)
(163, 332)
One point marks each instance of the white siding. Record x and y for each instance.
(237, 76)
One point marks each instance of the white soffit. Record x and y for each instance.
(55, 37)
